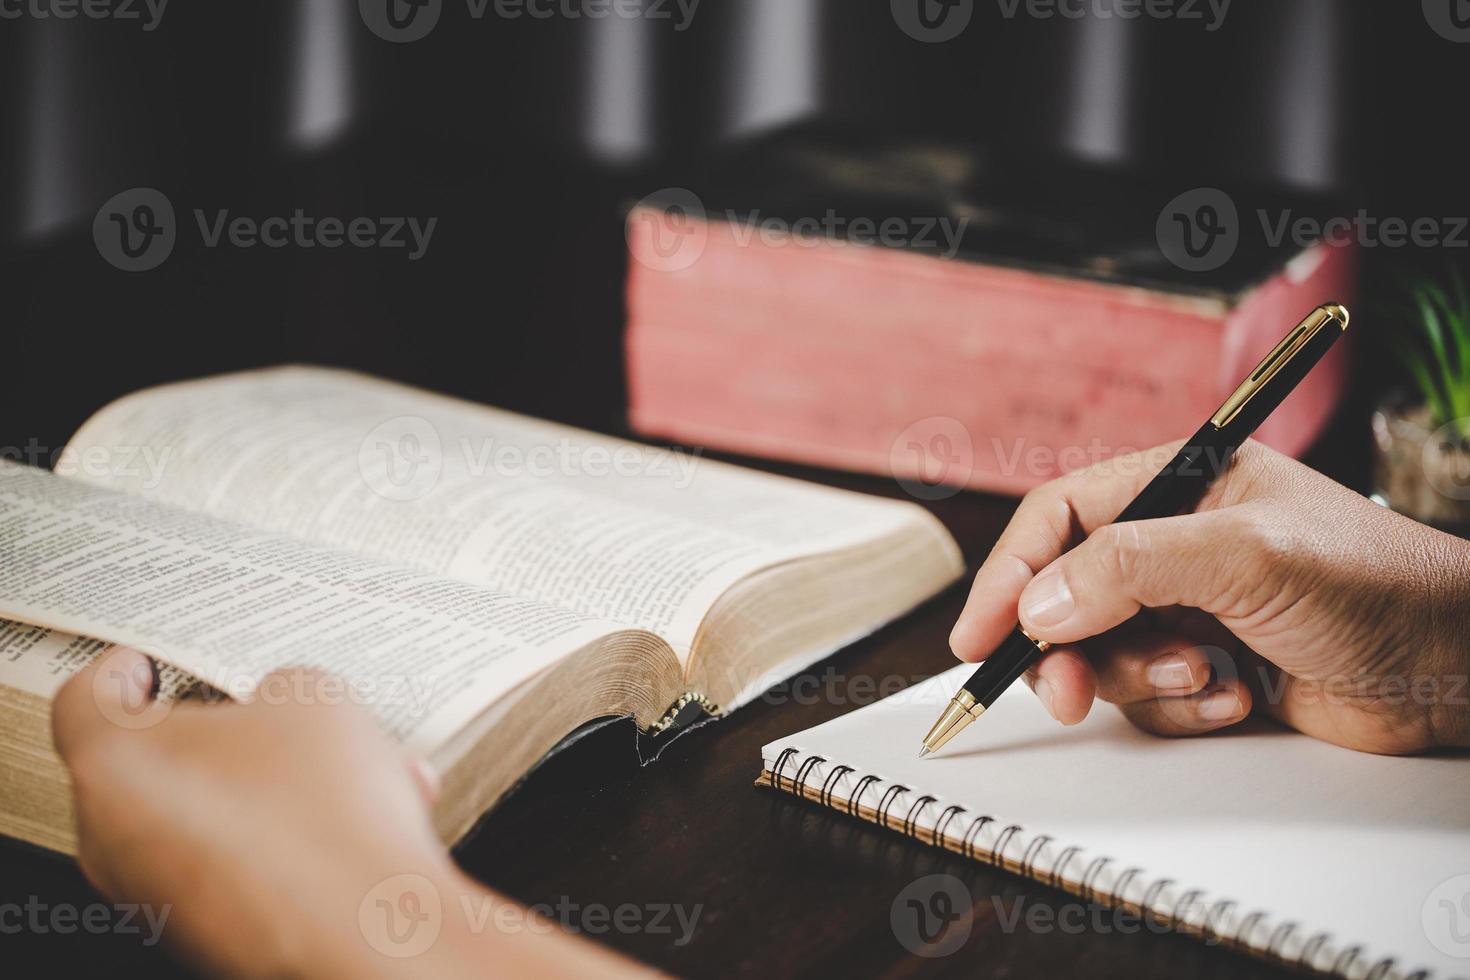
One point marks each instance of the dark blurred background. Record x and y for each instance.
(527, 136)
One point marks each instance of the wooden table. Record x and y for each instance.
(780, 887)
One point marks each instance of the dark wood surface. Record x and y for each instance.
(781, 887)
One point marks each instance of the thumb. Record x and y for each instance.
(116, 691)
(1120, 568)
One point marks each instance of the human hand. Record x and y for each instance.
(1283, 592)
(265, 826)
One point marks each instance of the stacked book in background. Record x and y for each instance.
(926, 313)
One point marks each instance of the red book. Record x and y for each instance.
(937, 370)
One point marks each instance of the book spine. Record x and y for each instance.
(983, 838)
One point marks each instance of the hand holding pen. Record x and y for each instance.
(1282, 592)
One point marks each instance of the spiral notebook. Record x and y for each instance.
(1340, 862)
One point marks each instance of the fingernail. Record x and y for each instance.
(1170, 673)
(959, 638)
(1049, 601)
(1047, 693)
(1221, 706)
(134, 671)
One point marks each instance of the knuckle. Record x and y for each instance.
(1124, 549)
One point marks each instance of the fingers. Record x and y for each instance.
(115, 691)
(1121, 568)
(1142, 665)
(1217, 706)
(1066, 683)
(1050, 520)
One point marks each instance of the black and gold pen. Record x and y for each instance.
(1178, 485)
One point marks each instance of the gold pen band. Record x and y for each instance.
(1332, 315)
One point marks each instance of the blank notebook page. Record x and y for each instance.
(1283, 843)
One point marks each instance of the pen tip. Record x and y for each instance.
(923, 752)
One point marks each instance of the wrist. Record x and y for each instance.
(365, 915)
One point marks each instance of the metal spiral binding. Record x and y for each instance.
(1087, 886)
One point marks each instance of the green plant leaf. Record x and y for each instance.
(1460, 323)
(1424, 378)
(1457, 354)
(1430, 299)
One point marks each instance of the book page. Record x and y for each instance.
(1364, 849)
(643, 537)
(38, 660)
(229, 604)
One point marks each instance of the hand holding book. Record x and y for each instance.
(1284, 593)
(306, 823)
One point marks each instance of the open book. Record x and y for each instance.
(487, 583)
(1260, 838)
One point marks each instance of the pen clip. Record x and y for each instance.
(1319, 319)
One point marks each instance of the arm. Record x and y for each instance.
(286, 838)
